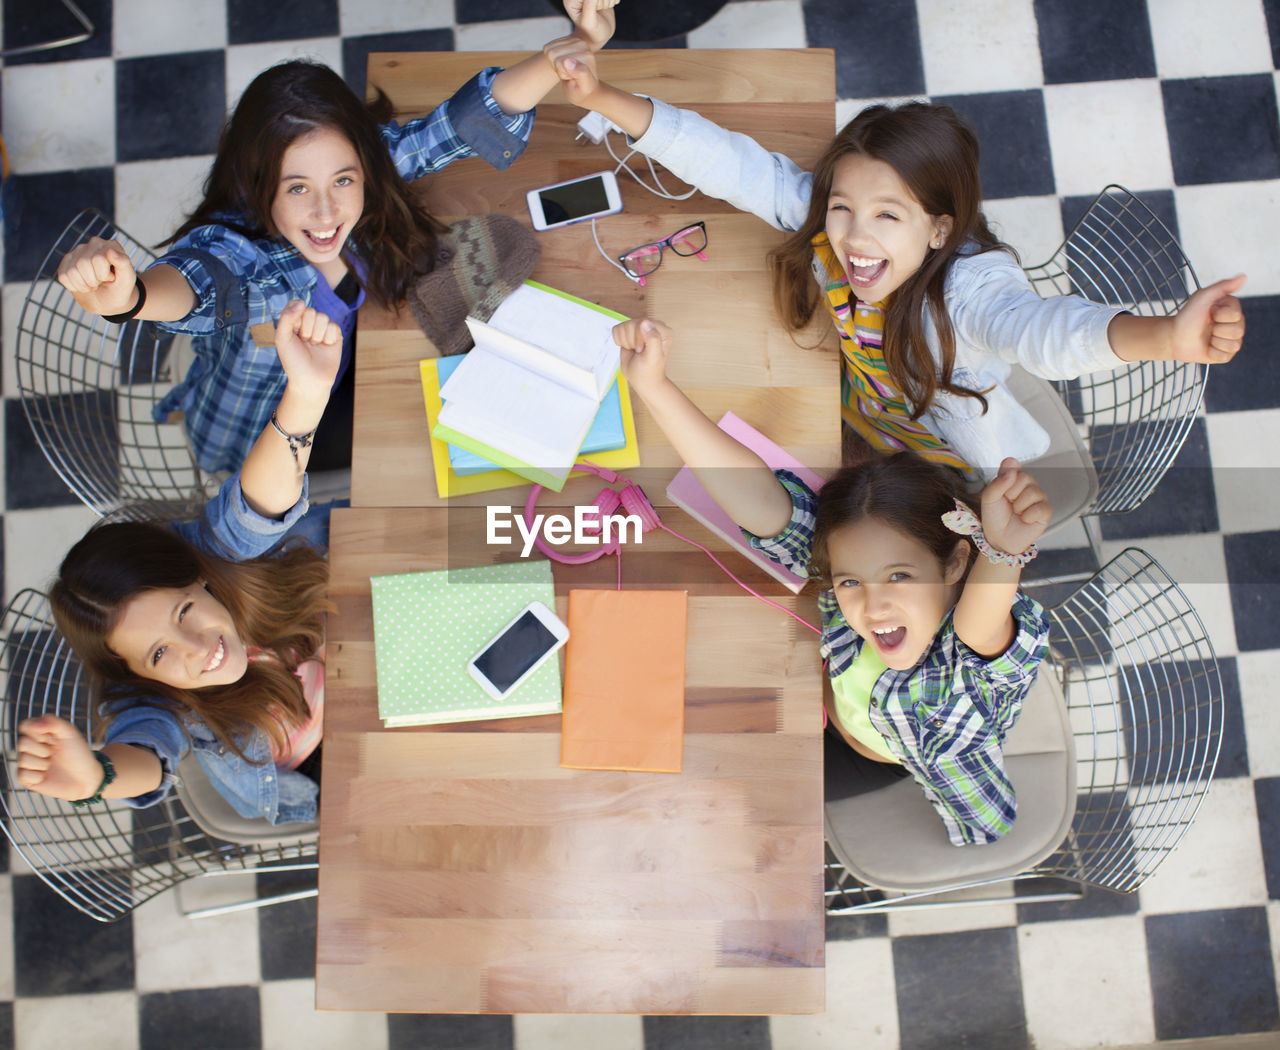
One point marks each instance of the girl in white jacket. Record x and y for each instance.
(931, 308)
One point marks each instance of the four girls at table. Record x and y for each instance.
(929, 645)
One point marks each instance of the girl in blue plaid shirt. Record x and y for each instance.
(930, 651)
(309, 198)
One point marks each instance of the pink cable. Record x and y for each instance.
(725, 570)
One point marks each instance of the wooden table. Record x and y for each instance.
(731, 352)
(462, 870)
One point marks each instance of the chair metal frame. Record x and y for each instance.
(88, 388)
(1144, 698)
(87, 29)
(1135, 419)
(106, 859)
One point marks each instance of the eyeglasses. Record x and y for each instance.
(642, 261)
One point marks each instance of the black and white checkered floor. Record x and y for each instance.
(1173, 98)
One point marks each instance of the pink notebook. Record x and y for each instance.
(687, 493)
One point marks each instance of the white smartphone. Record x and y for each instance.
(518, 650)
(575, 200)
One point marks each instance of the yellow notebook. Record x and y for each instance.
(450, 484)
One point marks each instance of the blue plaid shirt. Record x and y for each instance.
(946, 718)
(232, 386)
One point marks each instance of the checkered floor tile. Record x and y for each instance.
(1174, 99)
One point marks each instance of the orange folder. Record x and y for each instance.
(624, 681)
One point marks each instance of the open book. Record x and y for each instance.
(449, 483)
(526, 395)
(608, 431)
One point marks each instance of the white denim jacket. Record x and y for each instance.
(998, 318)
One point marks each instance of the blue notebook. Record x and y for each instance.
(606, 431)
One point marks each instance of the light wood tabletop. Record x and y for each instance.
(730, 352)
(461, 868)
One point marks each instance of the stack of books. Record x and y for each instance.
(540, 389)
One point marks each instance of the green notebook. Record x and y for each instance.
(427, 625)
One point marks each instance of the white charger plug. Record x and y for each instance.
(594, 127)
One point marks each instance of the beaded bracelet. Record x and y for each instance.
(130, 314)
(964, 522)
(296, 441)
(108, 777)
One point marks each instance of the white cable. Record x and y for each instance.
(661, 191)
(609, 258)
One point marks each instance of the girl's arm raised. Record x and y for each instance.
(522, 86)
(310, 349)
(632, 113)
(735, 477)
(103, 281)
(718, 162)
(1208, 330)
(54, 759)
(1015, 512)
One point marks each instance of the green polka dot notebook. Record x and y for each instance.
(427, 625)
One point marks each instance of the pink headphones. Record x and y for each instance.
(630, 498)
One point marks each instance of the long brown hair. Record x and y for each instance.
(904, 490)
(395, 235)
(275, 602)
(936, 154)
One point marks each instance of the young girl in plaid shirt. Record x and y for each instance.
(930, 650)
(309, 198)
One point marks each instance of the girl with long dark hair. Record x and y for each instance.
(310, 198)
(930, 651)
(887, 235)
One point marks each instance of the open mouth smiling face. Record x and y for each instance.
(320, 196)
(181, 636)
(892, 590)
(877, 227)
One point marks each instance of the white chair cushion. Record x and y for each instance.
(893, 838)
(216, 817)
(1065, 471)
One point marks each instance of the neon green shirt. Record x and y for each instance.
(852, 689)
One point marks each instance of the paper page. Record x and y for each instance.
(567, 329)
(517, 411)
(493, 341)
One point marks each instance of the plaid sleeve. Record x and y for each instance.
(973, 795)
(469, 124)
(1018, 664)
(221, 266)
(791, 547)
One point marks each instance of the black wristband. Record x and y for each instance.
(129, 315)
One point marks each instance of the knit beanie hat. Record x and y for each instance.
(480, 261)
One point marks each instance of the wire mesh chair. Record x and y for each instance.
(88, 388)
(107, 859)
(1135, 418)
(1144, 703)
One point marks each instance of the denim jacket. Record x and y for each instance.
(230, 529)
(998, 318)
(232, 385)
